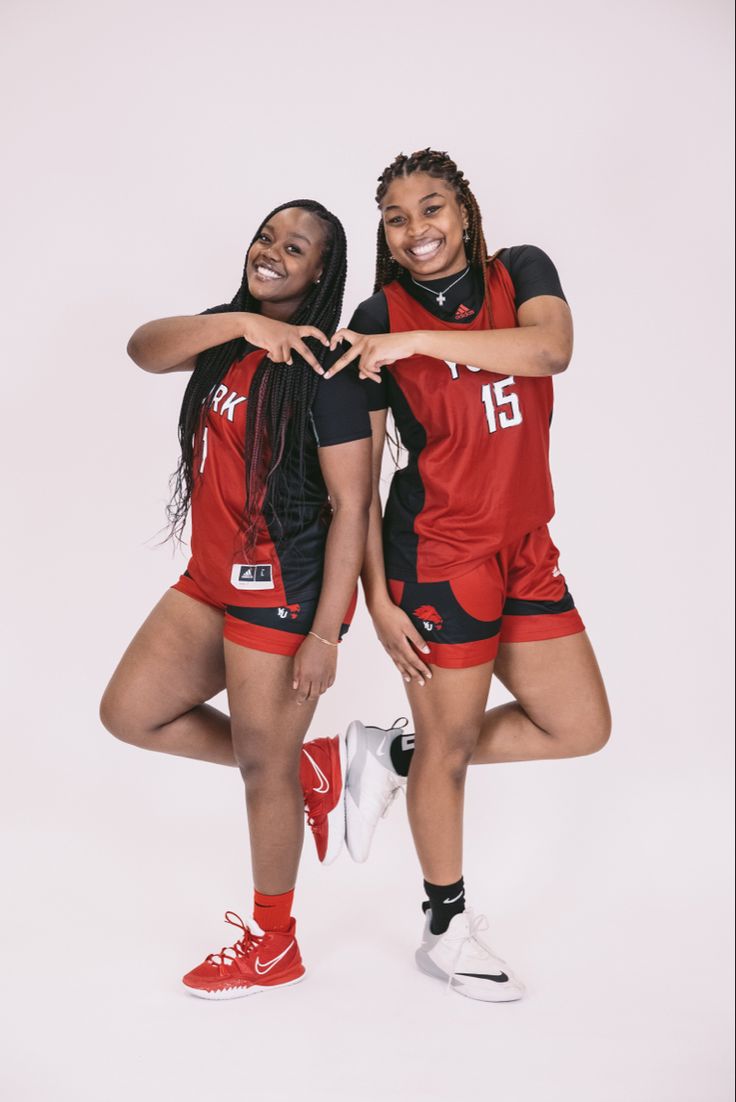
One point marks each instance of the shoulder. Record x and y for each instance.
(340, 408)
(371, 316)
(532, 272)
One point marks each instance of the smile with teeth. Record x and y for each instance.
(425, 249)
(267, 273)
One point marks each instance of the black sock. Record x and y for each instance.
(445, 902)
(401, 750)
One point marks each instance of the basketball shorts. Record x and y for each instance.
(277, 630)
(518, 595)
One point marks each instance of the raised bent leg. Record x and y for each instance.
(156, 696)
(560, 711)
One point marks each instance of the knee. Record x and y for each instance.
(117, 717)
(591, 732)
(450, 755)
(263, 765)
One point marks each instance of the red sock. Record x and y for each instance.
(273, 912)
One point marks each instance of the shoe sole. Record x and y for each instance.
(491, 995)
(239, 992)
(336, 817)
(353, 818)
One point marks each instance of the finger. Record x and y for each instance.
(415, 639)
(411, 657)
(313, 331)
(374, 376)
(301, 348)
(342, 335)
(303, 695)
(345, 359)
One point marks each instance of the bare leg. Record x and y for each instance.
(156, 697)
(268, 728)
(560, 711)
(448, 713)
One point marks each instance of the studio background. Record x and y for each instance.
(143, 144)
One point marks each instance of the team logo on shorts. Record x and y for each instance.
(292, 611)
(430, 617)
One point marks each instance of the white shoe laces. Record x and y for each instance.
(476, 924)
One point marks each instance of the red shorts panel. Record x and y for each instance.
(274, 630)
(517, 595)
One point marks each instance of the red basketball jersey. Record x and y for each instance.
(287, 562)
(478, 473)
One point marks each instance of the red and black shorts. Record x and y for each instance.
(516, 596)
(280, 629)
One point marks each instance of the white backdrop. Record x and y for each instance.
(143, 144)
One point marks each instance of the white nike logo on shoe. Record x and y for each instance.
(261, 969)
(380, 751)
(324, 784)
(455, 899)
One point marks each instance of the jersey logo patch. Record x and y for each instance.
(292, 611)
(252, 576)
(430, 617)
(463, 312)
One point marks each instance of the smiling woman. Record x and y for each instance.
(461, 575)
(275, 472)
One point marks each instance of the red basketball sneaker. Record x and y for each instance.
(258, 962)
(321, 774)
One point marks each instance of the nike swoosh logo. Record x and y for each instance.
(455, 898)
(324, 784)
(380, 750)
(500, 978)
(261, 969)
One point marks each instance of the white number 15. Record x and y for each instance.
(495, 396)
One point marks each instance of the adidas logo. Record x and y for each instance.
(463, 312)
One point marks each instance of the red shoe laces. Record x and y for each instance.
(245, 945)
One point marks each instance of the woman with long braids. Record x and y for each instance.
(465, 582)
(275, 470)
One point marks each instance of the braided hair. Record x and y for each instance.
(442, 167)
(279, 399)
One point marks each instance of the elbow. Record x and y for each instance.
(554, 360)
(134, 350)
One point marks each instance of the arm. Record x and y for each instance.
(173, 344)
(540, 345)
(346, 471)
(395, 630)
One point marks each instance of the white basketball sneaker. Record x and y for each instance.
(465, 963)
(371, 785)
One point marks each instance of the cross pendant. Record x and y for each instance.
(441, 299)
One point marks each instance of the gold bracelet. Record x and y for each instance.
(327, 641)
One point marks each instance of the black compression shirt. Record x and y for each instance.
(531, 270)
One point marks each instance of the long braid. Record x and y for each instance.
(280, 397)
(442, 167)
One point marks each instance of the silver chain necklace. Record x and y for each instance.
(441, 297)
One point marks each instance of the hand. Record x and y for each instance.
(315, 666)
(401, 640)
(375, 350)
(278, 338)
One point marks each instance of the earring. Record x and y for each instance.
(466, 236)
